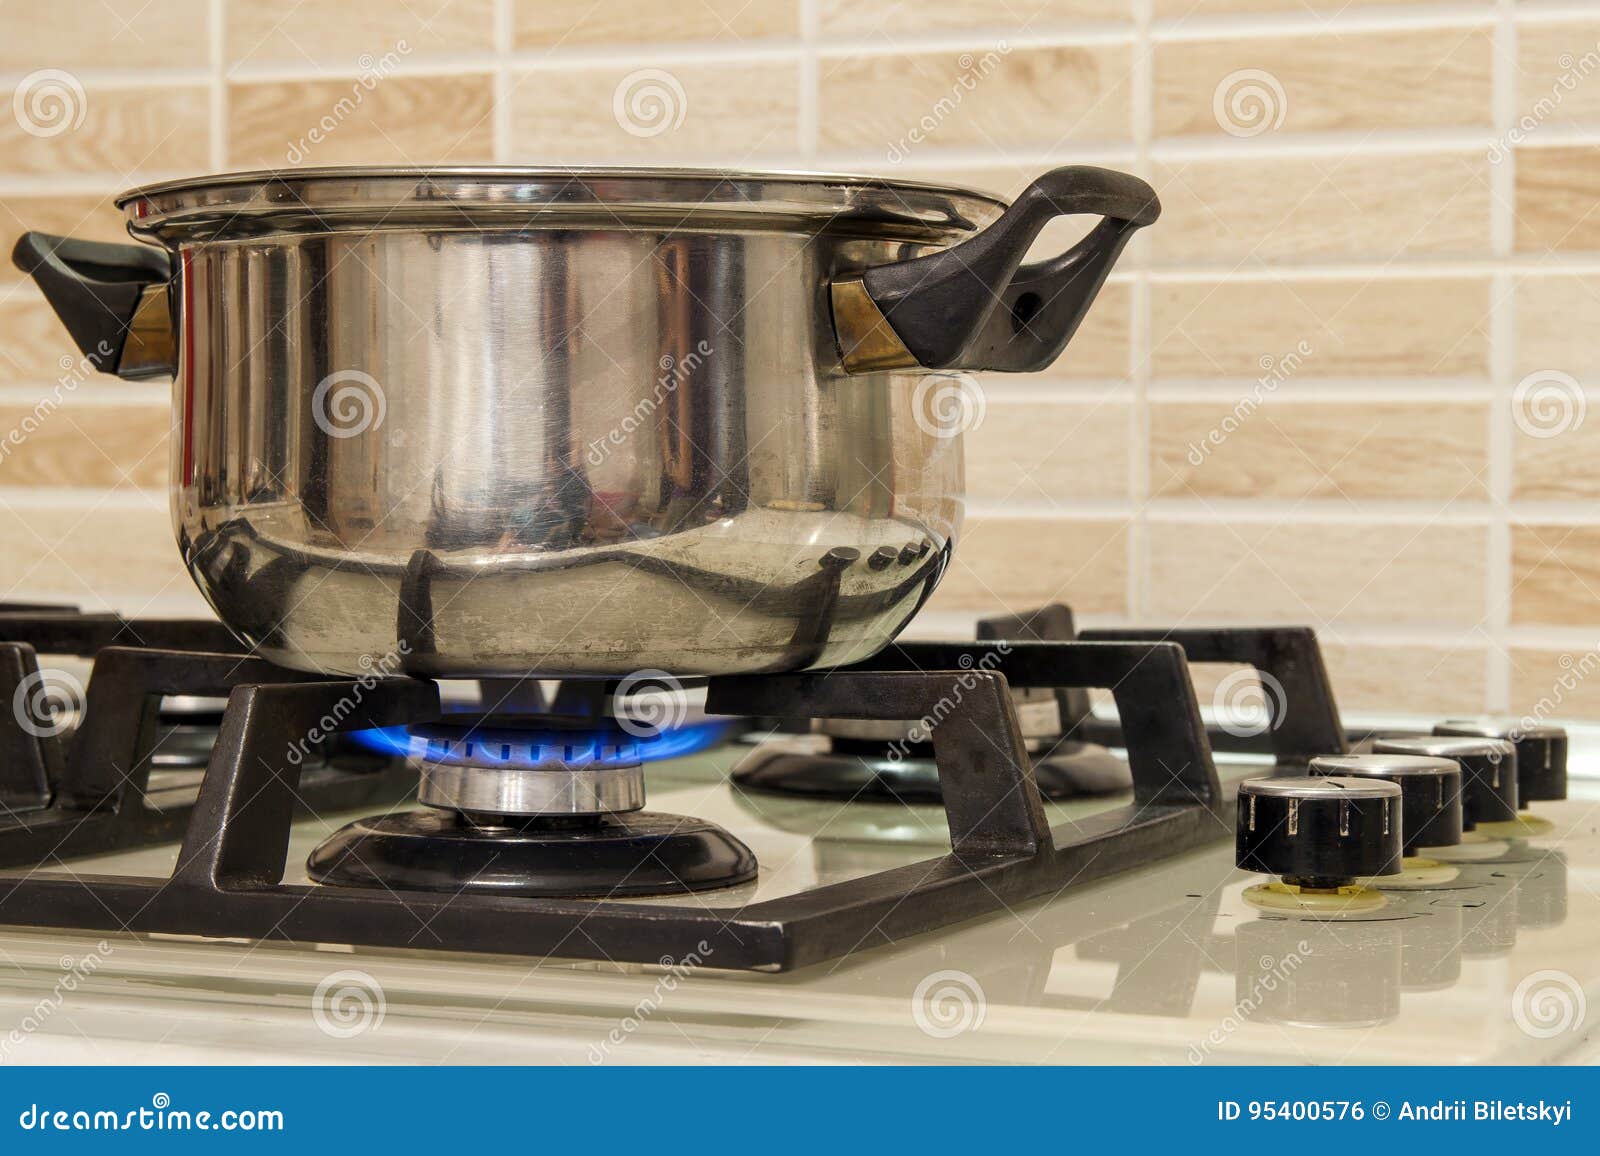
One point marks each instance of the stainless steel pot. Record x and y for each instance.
(482, 422)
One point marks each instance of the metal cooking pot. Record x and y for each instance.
(493, 421)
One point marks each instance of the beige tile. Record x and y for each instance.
(1397, 326)
(1411, 679)
(1099, 350)
(1554, 684)
(1408, 679)
(1007, 565)
(1558, 198)
(1283, 448)
(90, 218)
(1558, 326)
(892, 18)
(1180, 9)
(1325, 574)
(399, 120)
(735, 112)
(69, 34)
(36, 349)
(905, 105)
(1556, 441)
(71, 443)
(122, 132)
(1555, 575)
(1553, 87)
(348, 32)
(1353, 82)
(92, 556)
(554, 23)
(1316, 208)
(1049, 450)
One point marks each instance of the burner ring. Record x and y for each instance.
(524, 791)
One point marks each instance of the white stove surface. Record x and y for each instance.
(1164, 964)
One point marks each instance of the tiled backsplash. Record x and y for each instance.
(1340, 382)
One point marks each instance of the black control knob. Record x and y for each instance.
(1319, 832)
(1430, 792)
(1488, 772)
(1541, 754)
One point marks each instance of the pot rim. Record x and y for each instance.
(364, 197)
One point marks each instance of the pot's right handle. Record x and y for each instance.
(113, 299)
(971, 306)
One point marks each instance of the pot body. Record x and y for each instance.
(571, 451)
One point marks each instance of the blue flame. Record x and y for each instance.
(597, 748)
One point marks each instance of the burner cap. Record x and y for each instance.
(645, 853)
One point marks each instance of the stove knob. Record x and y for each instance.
(1430, 792)
(1541, 754)
(1488, 772)
(1319, 832)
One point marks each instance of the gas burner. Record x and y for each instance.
(541, 805)
(871, 761)
(604, 855)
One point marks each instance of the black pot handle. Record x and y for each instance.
(971, 306)
(113, 300)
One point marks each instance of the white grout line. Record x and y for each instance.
(1140, 345)
(810, 126)
(1498, 577)
(504, 39)
(218, 93)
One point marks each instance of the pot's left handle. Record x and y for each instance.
(113, 299)
(975, 305)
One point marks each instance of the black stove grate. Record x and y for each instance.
(228, 881)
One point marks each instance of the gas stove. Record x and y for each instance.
(872, 833)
